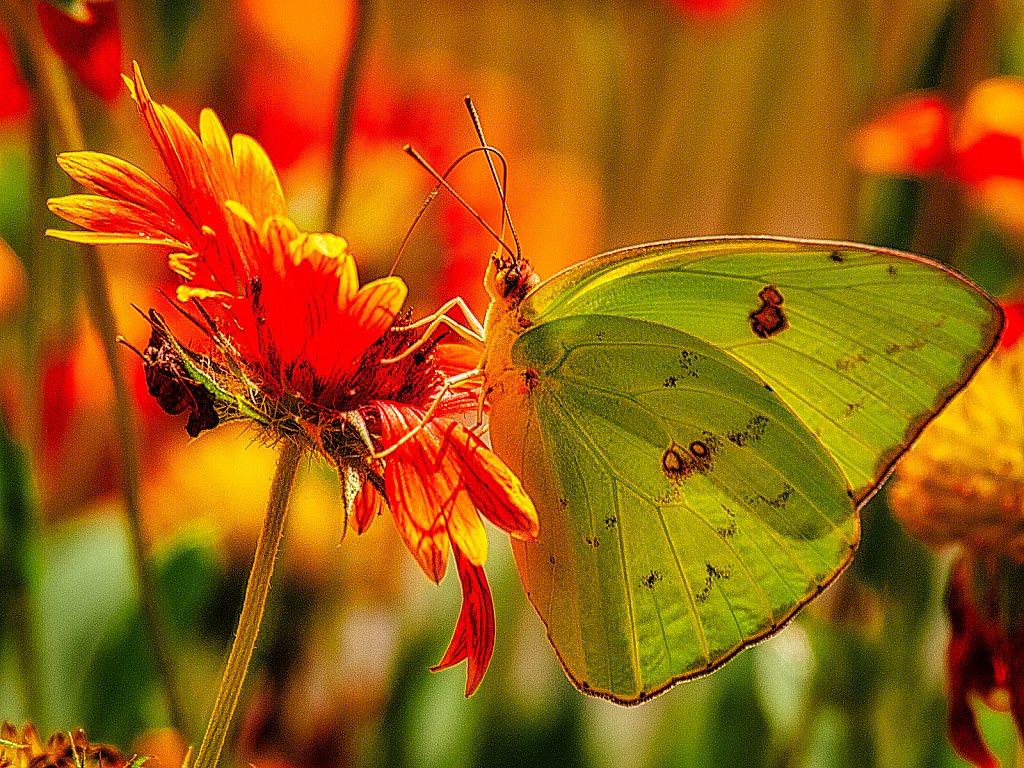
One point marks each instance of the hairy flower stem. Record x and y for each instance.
(252, 608)
(52, 95)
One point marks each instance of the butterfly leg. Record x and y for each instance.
(448, 385)
(472, 332)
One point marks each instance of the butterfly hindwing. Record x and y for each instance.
(685, 511)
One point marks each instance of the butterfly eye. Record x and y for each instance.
(518, 279)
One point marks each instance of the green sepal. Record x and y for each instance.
(235, 406)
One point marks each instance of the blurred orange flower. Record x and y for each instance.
(293, 342)
(979, 147)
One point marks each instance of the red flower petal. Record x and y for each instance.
(992, 155)
(1014, 327)
(91, 48)
(368, 505)
(14, 96)
(912, 137)
(494, 488)
(473, 639)
(970, 669)
(415, 495)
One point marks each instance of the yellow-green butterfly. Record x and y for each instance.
(698, 423)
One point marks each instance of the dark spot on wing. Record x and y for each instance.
(688, 362)
(611, 522)
(730, 529)
(714, 573)
(678, 463)
(837, 257)
(852, 408)
(652, 578)
(850, 361)
(670, 382)
(752, 432)
(779, 501)
(592, 541)
(769, 319)
(911, 347)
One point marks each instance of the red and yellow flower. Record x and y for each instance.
(979, 146)
(295, 343)
(963, 484)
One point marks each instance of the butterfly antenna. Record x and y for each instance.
(415, 221)
(501, 184)
(442, 181)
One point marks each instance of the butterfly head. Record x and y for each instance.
(509, 278)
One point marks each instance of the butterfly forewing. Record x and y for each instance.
(685, 511)
(864, 345)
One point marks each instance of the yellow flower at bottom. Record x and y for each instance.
(963, 481)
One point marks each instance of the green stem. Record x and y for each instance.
(52, 95)
(346, 109)
(252, 609)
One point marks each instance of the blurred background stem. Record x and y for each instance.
(56, 111)
(347, 92)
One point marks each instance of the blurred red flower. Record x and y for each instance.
(983, 658)
(91, 46)
(979, 147)
(963, 483)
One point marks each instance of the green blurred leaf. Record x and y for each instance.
(120, 693)
(19, 570)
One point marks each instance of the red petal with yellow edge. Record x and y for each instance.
(191, 169)
(366, 319)
(108, 238)
(495, 489)
(180, 149)
(101, 214)
(408, 479)
(368, 505)
(259, 188)
(214, 140)
(377, 304)
(113, 178)
(474, 633)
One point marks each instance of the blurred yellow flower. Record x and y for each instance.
(963, 482)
